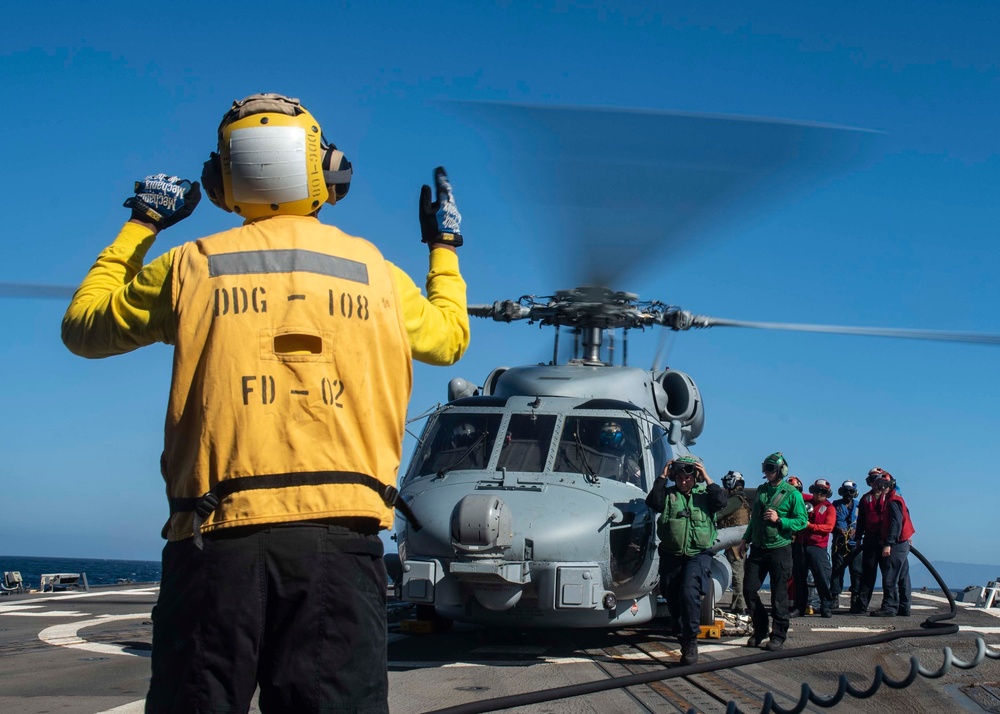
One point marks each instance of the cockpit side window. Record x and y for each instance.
(456, 440)
(526, 443)
(601, 447)
(659, 449)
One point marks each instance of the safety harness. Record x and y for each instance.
(207, 503)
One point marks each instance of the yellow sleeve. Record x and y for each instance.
(437, 325)
(122, 305)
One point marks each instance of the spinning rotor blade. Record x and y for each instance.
(935, 335)
(622, 188)
(26, 290)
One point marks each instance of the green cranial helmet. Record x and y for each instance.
(777, 462)
(689, 459)
(687, 464)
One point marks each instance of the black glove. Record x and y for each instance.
(440, 222)
(163, 200)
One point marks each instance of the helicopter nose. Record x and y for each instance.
(481, 523)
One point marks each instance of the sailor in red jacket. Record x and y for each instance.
(869, 539)
(816, 542)
(895, 543)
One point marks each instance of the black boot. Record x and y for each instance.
(689, 652)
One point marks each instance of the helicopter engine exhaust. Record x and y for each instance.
(679, 403)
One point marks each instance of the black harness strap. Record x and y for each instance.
(205, 505)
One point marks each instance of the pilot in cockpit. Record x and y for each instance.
(612, 443)
(463, 436)
(468, 446)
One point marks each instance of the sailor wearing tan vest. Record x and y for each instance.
(292, 371)
(735, 513)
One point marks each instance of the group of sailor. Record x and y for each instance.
(790, 536)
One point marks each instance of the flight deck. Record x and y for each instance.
(88, 653)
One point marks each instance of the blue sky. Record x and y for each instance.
(97, 96)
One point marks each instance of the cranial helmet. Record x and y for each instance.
(273, 160)
(733, 481)
(777, 459)
(796, 482)
(612, 435)
(848, 489)
(875, 473)
(687, 463)
(463, 435)
(822, 487)
(885, 480)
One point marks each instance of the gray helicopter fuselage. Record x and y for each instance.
(526, 518)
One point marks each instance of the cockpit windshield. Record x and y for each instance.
(601, 447)
(526, 443)
(456, 440)
(598, 447)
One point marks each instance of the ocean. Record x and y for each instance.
(99, 572)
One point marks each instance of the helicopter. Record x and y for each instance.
(524, 517)
(528, 515)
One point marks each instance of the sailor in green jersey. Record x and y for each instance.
(778, 513)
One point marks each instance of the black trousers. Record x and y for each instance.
(777, 564)
(683, 582)
(896, 578)
(297, 609)
(840, 566)
(800, 578)
(870, 555)
(816, 561)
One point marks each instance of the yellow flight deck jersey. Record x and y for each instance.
(292, 362)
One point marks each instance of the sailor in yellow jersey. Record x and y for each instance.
(292, 371)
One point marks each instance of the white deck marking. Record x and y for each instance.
(65, 635)
(77, 596)
(136, 707)
(983, 630)
(48, 613)
(12, 607)
(29, 610)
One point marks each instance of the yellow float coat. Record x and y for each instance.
(292, 356)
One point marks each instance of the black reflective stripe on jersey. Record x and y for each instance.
(286, 261)
(207, 503)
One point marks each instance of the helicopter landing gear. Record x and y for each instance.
(427, 613)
